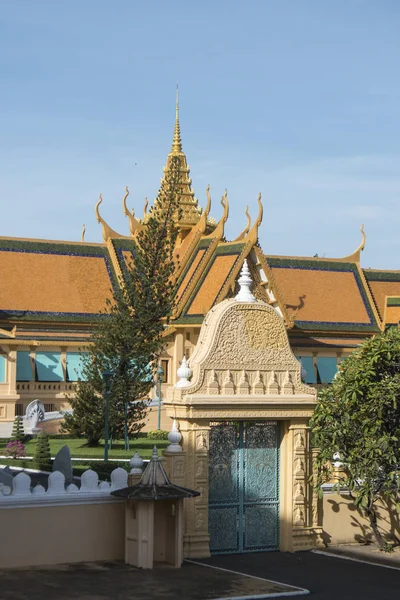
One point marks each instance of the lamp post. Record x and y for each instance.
(107, 374)
(160, 375)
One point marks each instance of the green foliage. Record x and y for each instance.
(87, 419)
(157, 434)
(18, 430)
(42, 456)
(127, 341)
(359, 417)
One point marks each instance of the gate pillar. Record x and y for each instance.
(190, 468)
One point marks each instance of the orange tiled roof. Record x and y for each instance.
(53, 278)
(323, 293)
(382, 284)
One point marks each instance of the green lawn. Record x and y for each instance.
(79, 449)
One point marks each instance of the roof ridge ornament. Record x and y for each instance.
(355, 257)
(107, 232)
(247, 228)
(245, 281)
(134, 224)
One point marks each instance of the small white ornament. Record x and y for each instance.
(136, 464)
(245, 281)
(184, 373)
(174, 437)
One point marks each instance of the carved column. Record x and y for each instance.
(194, 463)
(306, 509)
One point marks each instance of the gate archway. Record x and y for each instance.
(245, 372)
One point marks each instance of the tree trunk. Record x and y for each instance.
(371, 513)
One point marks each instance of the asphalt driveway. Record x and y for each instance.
(326, 577)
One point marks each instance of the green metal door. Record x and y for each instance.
(243, 487)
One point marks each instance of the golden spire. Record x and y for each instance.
(189, 209)
(177, 142)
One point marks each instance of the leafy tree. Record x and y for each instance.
(359, 417)
(18, 432)
(128, 338)
(42, 456)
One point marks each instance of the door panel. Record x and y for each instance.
(243, 487)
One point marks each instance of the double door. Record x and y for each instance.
(244, 487)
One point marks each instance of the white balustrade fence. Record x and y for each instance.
(91, 488)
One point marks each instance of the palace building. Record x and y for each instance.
(51, 294)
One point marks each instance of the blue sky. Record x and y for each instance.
(298, 99)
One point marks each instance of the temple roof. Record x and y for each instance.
(53, 280)
(324, 294)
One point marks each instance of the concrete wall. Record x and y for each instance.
(343, 523)
(49, 535)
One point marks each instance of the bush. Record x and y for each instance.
(157, 434)
(42, 456)
(18, 432)
(15, 449)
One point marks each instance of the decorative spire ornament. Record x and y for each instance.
(177, 142)
(174, 437)
(184, 373)
(245, 281)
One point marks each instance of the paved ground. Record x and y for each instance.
(326, 577)
(116, 581)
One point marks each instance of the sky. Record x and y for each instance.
(296, 99)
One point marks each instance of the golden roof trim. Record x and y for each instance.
(106, 230)
(191, 241)
(42, 241)
(246, 229)
(9, 334)
(355, 257)
(134, 224)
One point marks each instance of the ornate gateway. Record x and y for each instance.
(241, 398)
(243, 487)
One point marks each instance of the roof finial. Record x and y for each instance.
(83, 233)
(177, 143)
(245, 282)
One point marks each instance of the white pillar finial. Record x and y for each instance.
(174, 438)
(184, 373)
(245, 281)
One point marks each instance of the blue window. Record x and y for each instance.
(74, 365)
(48, 366)
(307, 364)
(24, 368)
(327, 368)
(2, 369)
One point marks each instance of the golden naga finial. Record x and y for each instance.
(218, 232)
(252, 235)
(225, 204)
(134, 224)
(105, 228)
(177, 142)
(83, 233)
(355, 257)
(146, 203)
(247, 228)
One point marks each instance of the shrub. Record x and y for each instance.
(42, 457)
(157, 434)
(18, 430)
(15, 449)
